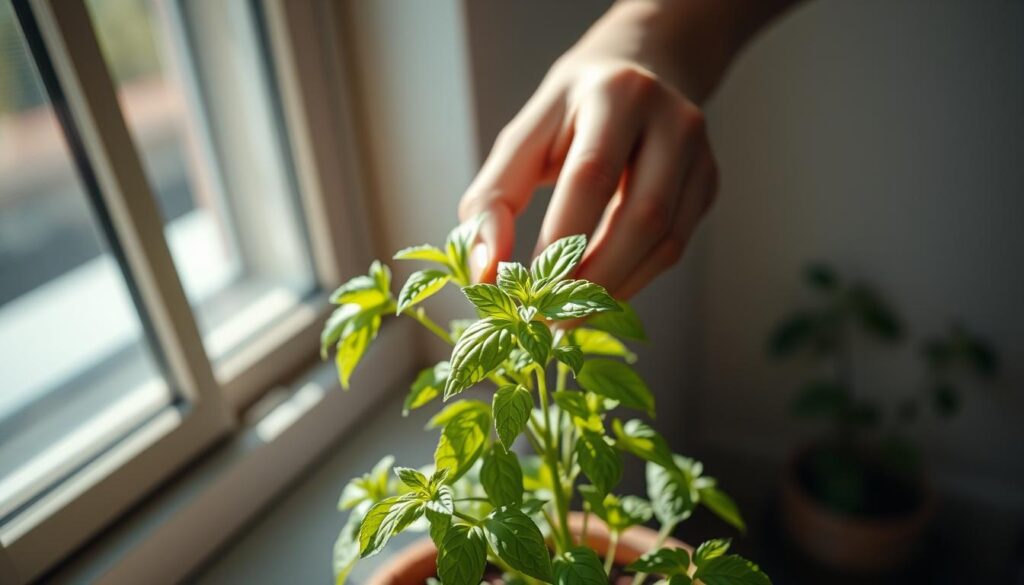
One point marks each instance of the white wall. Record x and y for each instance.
(884, 136)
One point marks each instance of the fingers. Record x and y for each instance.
(506, 182)
(604, 133)
(641, 217)
(699, 193)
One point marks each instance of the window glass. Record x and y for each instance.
(77, 370)
(194, 83)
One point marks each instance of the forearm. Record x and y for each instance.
(688, 42)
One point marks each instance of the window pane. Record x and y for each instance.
(193, 81)
(78, 372)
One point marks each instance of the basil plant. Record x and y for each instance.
(561, 391)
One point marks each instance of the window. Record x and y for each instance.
(163, 259)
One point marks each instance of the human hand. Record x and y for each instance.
(630, 153)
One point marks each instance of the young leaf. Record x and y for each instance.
(439, 524)
(516, 540)
(875, 316)
(422, 252)
(457, 248)
(361, 291)
(512, 406)
(664, 561)
(491, 301)
(502, 478)
(479, 351)
(722, 505)
(595, 342)
(335, 326)
(385, 519)
(346, 547)
(536, 339)
(579, 566)
(427, 386)
(616, 380)
(595, 500)
(557, 261)
(575, 403)
(671, 494)
(421, 285)
(644, 442)
(462, 557)
(456, 409)
(462, 441)
(711, 549)
(599, 461)
(572, 299)
(730, 570)
(571, 356)
(514, 279)
(624, 323)
(353, 346)
(412, 478)
(631, 510)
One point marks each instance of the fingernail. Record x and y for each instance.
(479, 258)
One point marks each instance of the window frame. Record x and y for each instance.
(63, 41)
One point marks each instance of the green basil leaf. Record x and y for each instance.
(664, 561)
(428, 385)
(573, 402)
(369, 487)
(616, 380)
(463, 556)
(502, 478)
(625, 323)
(462, 441)
(422, 252)
(670, 492)
(336, 325)
(644, 442)
(385, 519)
(579, 566)
(512, 406)
(730, 570)
(628, 511)
(711, 549)
(361, 291)
(571, 356)
(439, 525)
(596, 342)
(595, 500)
(491, 301)
(457, 409)
(514, 279)
(421, 285)
(346, 548)
(557, 261)
(412, 478)
(536, 339)
(515, 538)
(573, 299)
(680, 580)
(723, 506)
(598, 460)
(479, 351)
(457, 248)
(352, 347)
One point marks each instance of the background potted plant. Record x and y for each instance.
(492, 513)
(858, 498)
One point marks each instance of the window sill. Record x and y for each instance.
(176, 530)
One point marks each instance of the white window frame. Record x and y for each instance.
(311, 78)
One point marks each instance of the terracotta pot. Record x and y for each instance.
(417, 562)
(850, 543)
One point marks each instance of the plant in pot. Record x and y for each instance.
(858, 499)
(491, 513)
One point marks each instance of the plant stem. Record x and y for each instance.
(609, 556)
(551, 457)
(466, 517)
(663, 534)
(420, 316)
